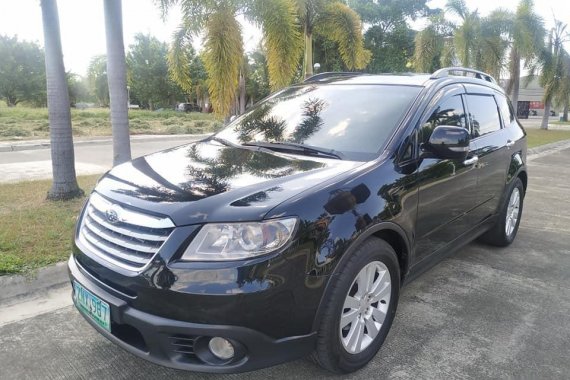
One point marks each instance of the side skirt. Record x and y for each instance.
(423, 266)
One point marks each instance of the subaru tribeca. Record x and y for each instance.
(291, 232)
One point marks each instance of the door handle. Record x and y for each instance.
(509, 144)
(471, 161)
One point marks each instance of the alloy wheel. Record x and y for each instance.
(513, 210)
(365, 307)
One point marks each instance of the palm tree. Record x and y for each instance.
(434, 46)
(223, 45)
(334, 21)
(467, 34)
(117, 78)
(64, 184)
(553, 70)
(480, 42)
(526, 41)
(563, 97)
(493, 42)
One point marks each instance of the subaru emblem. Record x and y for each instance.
(113, 214)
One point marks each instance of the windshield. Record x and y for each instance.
(355, 120)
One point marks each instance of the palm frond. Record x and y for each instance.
(428, 46)
(528, 30)
(178, 62)
(458, 7)
(282, 38)
(341, 24)
(223, 52)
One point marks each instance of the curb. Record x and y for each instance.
(19, 286)
(548, 148)
(45, 144)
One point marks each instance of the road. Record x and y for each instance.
(482, 313)
(89, 158)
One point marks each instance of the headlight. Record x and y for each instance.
(234, 241)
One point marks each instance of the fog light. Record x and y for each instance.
(221, 348)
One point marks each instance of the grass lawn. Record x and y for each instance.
(19, 123)
(35, 232)
(537, 137)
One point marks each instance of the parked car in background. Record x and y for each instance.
(188, 107)
(291, 231)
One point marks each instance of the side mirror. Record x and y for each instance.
(448, 142)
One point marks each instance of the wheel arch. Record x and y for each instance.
(391, 233)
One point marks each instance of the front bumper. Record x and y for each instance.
(183, 345)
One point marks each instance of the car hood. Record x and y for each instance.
(207, 181)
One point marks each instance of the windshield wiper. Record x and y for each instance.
(297, 147)
(234, 145)
(223, 141)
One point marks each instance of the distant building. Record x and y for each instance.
(531, 95)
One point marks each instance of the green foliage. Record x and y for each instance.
(148, 77)
(97, 79)
(389, 37)
(342, 25)
(391, 51)
(552, 62)
(432, 45)
(479, 42)
(389, 14)
(224, 48)
(527, 32)
(22, 72)
(282, 38)
(257, 85)
(223, 51)
(78, 89)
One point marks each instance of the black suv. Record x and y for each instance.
(291, 231)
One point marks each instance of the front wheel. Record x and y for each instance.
(361, 308)
(505, 230)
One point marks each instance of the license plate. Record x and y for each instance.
(97, 309)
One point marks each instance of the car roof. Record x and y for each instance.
(412, 79)
(441, 77)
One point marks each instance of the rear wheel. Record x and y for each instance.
(361, 308)
(505, 230)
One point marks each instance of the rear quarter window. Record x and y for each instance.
(507, 114)
(483, 114)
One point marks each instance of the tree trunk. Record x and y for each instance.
(544, 124)
(565, 113)
(64, 184)
(515, 77)
(117, 79)
(308, 53)
(241, 94)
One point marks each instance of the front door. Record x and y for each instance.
(447, 187)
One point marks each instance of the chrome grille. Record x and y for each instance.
(124, 237)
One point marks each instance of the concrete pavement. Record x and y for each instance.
(93, 156)
(482, 313)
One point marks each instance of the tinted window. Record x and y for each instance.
(448, 112)
(506, 110)
(353, 119)
(483, 114)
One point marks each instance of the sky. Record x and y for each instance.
(83, 29)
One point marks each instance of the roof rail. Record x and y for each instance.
(447, 71)
(318, 77)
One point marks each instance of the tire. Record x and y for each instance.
(505, 229)
(335, 350)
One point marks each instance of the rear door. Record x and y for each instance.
(447, 188)
(491, 139)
